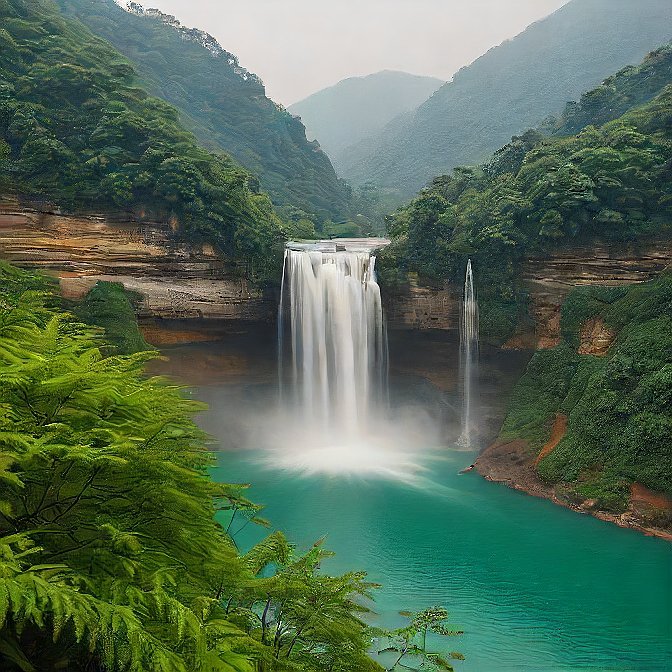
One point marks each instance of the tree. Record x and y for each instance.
(409, 643)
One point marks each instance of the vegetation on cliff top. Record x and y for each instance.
(77, 130)
(619, 406)
(538, 194)
(224, 105)
(510, 88)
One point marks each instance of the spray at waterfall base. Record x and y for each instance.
(334, 415)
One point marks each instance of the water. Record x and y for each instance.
(469, 359)
(337, 340)
(535, 587)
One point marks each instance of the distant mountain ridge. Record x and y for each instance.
(360, 107)
(512, 87)
(222, 103)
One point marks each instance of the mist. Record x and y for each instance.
(301, 46)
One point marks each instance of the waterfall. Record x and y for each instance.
(468, 357)
(338, 361)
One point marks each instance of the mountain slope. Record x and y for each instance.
(538, 194)
(360, 107)
(222, 103)
(628, 88)
(77, 130)
(512, 87)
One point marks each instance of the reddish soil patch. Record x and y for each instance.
(557, 435)
(596, 338)
(642, 495)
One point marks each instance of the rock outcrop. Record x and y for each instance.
(595, 338)
(550, 280)
(176, 280)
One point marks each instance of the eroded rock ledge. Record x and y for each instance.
(512, 464)
(176, 280)
(181, 281)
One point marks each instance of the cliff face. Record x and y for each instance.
(180, 281)
(547, 281)
(423, 308)
(177, 281)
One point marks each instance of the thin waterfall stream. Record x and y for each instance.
(468, 358)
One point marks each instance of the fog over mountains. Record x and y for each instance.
(512, 87)
(360, 107)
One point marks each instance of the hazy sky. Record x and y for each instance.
(300, 46)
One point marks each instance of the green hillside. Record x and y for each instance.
(512, 87)
(77, 130)
(619, 407)
(539, 194)
(222, 103)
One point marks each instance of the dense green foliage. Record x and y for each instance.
(109, 306)
(539, 194)
(360, 107)
(223, 104)
(631, 87)
(512, 87)
(76, 129)
(619, 406)
(110, 555)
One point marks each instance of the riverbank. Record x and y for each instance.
(513, 464)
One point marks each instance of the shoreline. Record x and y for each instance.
(510, 464)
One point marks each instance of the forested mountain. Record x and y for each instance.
(511, 88)
(360, 107)
(77, 130)
(539, 193)
(222, 103)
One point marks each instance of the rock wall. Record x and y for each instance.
(548, 282)
(181, 281)
(423, 308)
(177, 281)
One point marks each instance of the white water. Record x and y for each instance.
(333, 416)
(338, 349)
(468, 358)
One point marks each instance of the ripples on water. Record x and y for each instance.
(537, 588)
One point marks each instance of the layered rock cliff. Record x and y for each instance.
(175, 279)
(547, 282)
(182, 281)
